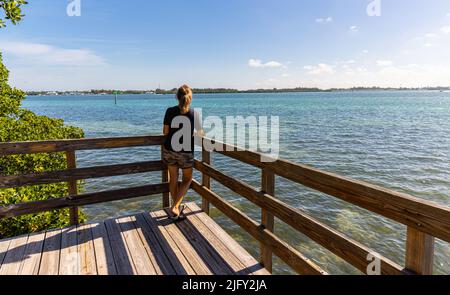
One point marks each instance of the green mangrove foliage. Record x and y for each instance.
(18, 124)
(12, 11)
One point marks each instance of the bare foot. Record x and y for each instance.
(175, 211)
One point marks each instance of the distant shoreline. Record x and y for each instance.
(227, 91)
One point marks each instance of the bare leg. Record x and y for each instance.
(173, 183)
(183, 187)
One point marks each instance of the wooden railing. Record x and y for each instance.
(72, 174)
(424, 220)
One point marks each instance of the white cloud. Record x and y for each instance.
(257, 63)
(446, 30)
(354, 29)
(43, 54)
(320, 69)
(285, 75)
(448, 14)
(346, 62)
(428, 45)
(352, 71)
(408, 75)
(430, 35)
(384, 63)
(326, 20)
(365, 51)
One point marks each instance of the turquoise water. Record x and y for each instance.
(399, 140)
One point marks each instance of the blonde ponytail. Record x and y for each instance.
(184, 96)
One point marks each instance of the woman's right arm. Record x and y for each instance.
(166, 130)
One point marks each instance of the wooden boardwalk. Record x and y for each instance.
(148, 244)
(141, 244)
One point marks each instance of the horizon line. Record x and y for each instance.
(249, 89)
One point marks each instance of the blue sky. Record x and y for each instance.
(140, 44)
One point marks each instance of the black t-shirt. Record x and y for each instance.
(174, 115)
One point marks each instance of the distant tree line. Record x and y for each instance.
(231, 90)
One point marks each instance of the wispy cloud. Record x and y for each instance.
(445, 30)
(346, 62)
(320, 69)
(384, 63)
(324, 20)
(257, 63)
(354, 29)
(431, 35)
(37, 53)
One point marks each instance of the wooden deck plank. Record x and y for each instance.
(32, 257)
(145, 243)
(69, 260)
(159, 259)
(168, 245)
(4, 246)
(250, 265)
(103, 252)
(139, 255)
(122, 257)
(51, 253)
(86, 252)
(191, 255)
(208, 248)
(200, 266)
(13, 258)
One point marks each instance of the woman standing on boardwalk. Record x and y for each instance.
(178, 152)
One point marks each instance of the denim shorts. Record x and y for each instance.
(181, 160)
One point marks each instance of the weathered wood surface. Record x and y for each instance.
(82, 200)
(165, 178)
(419, 252)
(251, 265)
(425, 216)
(11, 181)
(86, 254)
(72, 186)
(12, 260)
(51, 253)
(69, 259)
(206, 179)
(285, 252)
(30, 147)
(348, 249)
(199, 265)
(32, 256)
(145, 243)
(103, 253)
(267, 218)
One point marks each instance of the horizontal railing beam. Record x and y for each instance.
(12, 181)
(81, 200)
(284, 251)
(351, 251)
(33, 147)
(422, 215)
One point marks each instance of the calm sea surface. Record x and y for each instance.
(399, 140)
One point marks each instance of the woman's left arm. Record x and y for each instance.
(198, 124)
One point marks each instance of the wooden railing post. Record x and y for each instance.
(206, 180)
(267, 219)
(72, 186)
(165, 178)
(419, 252)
